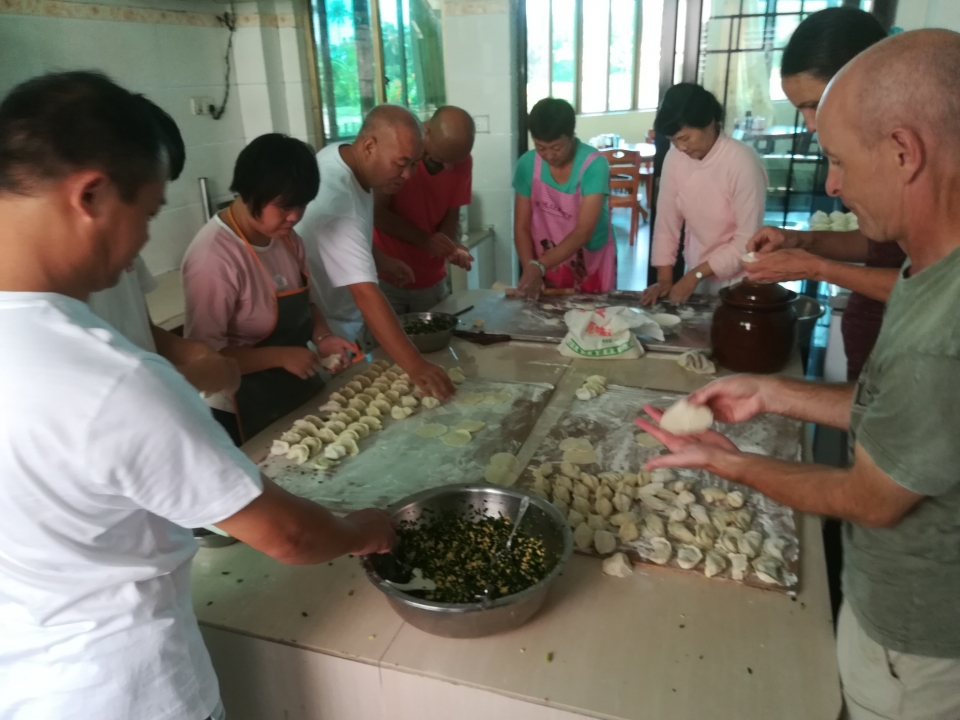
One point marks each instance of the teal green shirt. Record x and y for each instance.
(595, 181)
(903, 582)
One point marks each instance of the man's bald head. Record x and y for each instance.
(449, 135)
(388, 146)
(890, 124)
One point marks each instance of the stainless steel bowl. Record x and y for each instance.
(430, 342)
(468, 620)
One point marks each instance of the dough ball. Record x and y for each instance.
(471, 426)
(617, 565)
(430, 402)
(471, 399)
(605, 542)
(499, 475)
(682, 418)
(570, 443)
(457, 438)
(456, 375)
(502, 459)
(432, 430)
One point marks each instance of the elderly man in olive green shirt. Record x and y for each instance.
(890, 126)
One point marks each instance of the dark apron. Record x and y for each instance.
(268, 395)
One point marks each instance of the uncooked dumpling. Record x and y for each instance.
(663, 475)
(617, 565)
(774, 547)
(688, 557)
(392, 396)
(430, 402)
(432, 430)
(348, 434)
(471, 399)
(581, 490)
(582, 505)
(502, 459)
(574, 519)
(623, 518)
(334, 451)
(596, 522)
(622, 502)
(360, 429)
(681, 532)
(678, 513)
(355, 386)
(629, 532)
(713, 495)
(653, 527)
(337, 397)
(352, 413)
(349, 444)
(750, 543)
(313, 444)
(546, 469)
(662, 550)
(699, 513)
(336, 426)
(371, 422)
(730, 540)
(738, 566)
(564, 481)
(742, 518)
(357, 404)
(605, 491)
(292, 437)
(298, 454)
(280, 447)
(561, 506)
(471, 426)
(698, 362)
(604, 507)
(591, 481)
(706, 536)
(685, 497)
(585, 394)
(682, 418)
(381, 405)
(570, 470)
(715, 563)
(456, 375)
(768, 569)
(583, 536)
(561, 493)
(605, 542)
(397, 412)
(653, 502)
(735, 499)
(408, 401)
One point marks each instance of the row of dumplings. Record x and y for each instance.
(602, 510)
(350, 415)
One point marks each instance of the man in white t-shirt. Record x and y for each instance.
(337, 230)
(106, 453)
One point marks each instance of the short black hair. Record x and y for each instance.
(61, 123)
(170, 136)
(276, 168)
(829, 39)
(687, 105)
(550, 119)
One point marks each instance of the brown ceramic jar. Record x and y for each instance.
(754, 328)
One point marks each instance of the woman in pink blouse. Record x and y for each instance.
(247, 288)
(713, 187)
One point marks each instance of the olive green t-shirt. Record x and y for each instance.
(903, 582)
(595, 181)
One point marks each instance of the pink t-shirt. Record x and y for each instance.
(230, 297)
(721, 198)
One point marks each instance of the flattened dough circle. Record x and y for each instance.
(504, 460)
(572, 443)
(457, 438)
(580, 456)
(647, 440)
(432, 430)
(470, 426)
(471, 399)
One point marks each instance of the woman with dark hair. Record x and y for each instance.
(247, 288)
(561, 224)
(712, 187)
(820, 46)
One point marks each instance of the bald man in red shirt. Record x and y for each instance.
(419, 224)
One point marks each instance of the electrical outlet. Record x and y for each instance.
(200, 105)
(482, 123)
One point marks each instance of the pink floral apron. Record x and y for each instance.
(554, 216)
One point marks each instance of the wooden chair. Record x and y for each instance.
(625, 184)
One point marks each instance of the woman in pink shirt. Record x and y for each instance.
(247, 288)
(712, 187)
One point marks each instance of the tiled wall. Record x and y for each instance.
(916, 14)
(171, 56)
(479, 50)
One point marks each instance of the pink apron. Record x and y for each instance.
(554, 216)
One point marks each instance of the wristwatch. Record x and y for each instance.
(698, 275)
(543, 270)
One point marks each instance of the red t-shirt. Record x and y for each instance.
(423, 201)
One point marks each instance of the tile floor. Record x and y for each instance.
(631, 261)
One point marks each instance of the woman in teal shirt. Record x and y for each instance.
(561, 221)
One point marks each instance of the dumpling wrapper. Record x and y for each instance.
(682, 418)
(471, 426)
(617, 565)
(457, 438)
(432, 430)
(571, 443)
(470, 399)
(503, 459)
(456, 375)
(647, 440)
(580, 456)
(499, 475)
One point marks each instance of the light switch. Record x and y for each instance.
(482, 123)
(200, 105)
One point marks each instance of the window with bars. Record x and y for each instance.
(375, 51)
(600, 55)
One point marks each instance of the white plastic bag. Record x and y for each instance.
(605, 333)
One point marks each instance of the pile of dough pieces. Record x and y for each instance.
(350, 415)
(592, 387)
(613, 508)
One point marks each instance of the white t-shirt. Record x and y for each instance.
(337, 230)
(125, 307)
(107, 455)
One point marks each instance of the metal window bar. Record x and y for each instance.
(606, 104)
(402, 41)
(578, 54)
(637, 38)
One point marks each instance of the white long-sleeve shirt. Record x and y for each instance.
(721, 198)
